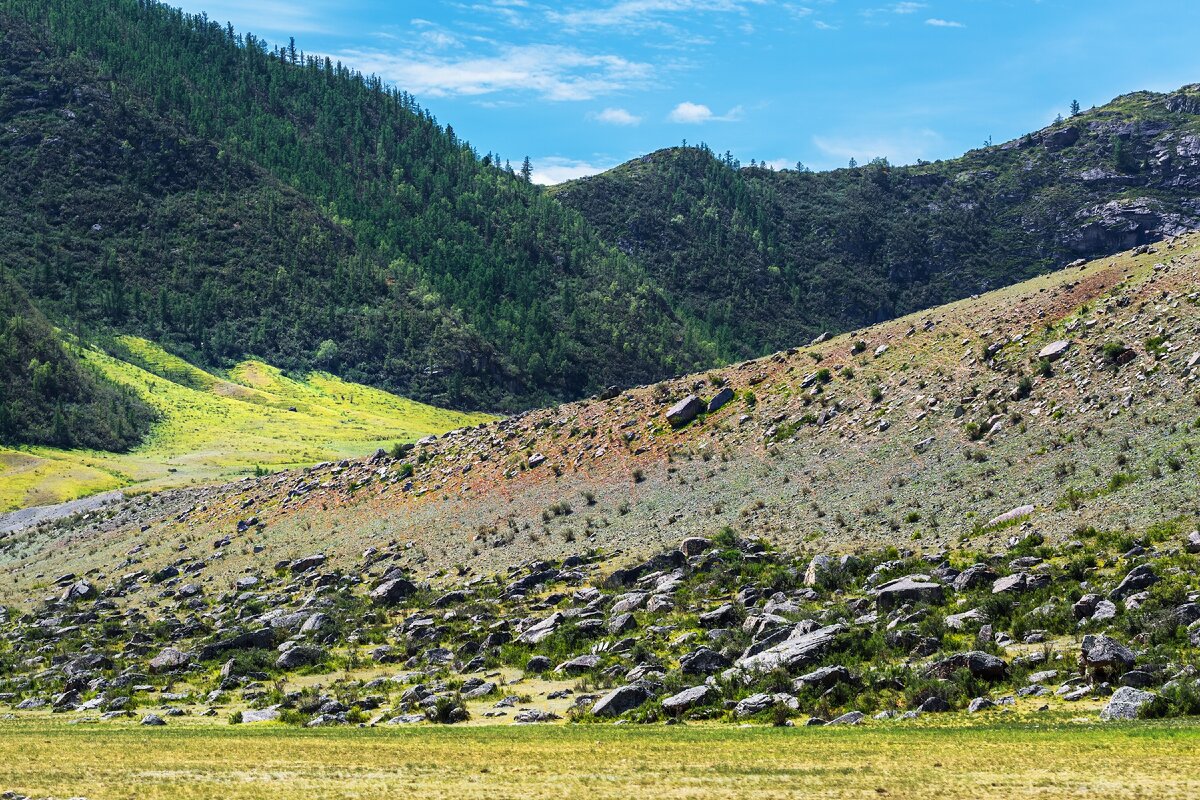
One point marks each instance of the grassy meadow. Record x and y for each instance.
(193, 759)
(215, 428)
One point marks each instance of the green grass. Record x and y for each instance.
(193, 759)
(215, 428)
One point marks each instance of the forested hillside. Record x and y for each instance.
(49, 396)
(170, 178)
(770, 258)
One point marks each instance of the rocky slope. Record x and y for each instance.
(920, 430)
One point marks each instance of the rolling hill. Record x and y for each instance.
(925, 429)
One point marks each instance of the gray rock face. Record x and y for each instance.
(908, 590)
(980, 704)
(620, 700)
(579, 664)
(302, 655)
(849, 718)
(169, 659)
(720, 399)
(260, 715)
(1192, 544)
(823, 678)
(703, 661)
(694, 545)
(541, 630)
(1140, 577)
(153, 720)
(307, 563)
(959, 622)
(621, 623)
(685, 411)
(819, 568)
(1019, 582)
(391, 592)
(974, 577)
(1106, 657)
(531, 716)
(978, 663)
(80, 590)
(719, 617)
(1126, 703)
(799, 650)
(934, 705)
(754, 704)
(688, 699)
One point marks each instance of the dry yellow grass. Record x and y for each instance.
(195, 759)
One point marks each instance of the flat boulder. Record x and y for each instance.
(1054, 350)
(169, 659)
(685, 411)
(909, 590)
(620, 700)
(307, 563)
(688, 699)
(797, 651)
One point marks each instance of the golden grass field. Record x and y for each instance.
(216, 428)
(194, 759)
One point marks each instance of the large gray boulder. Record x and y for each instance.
(685, 411)
(1126, 703)
(980, 664)
(908, 589)
(543, 629)
(168, 659)
(688, 699)
(974, 577)
(703, 661)
(389, 593)
(799, 650)
(1140, 577)
(1102, 656)
(302, 655)
(620, 700)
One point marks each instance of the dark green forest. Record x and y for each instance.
(769, 259)
(167, 176)
(171, 178)
(48, 395)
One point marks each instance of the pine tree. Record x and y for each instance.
(1074, 108)
(527, 170)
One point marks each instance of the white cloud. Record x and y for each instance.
(625, 12)
(616, 116)
(697, 113)
(553, 169)
(553, 72)
(823, 26)
(904, 147)
(944, 23)
(907, 8)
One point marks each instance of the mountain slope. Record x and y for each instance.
(771, 258)
(173, 180)
(923, 429)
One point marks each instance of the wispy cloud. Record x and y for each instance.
(553, 169)
(626, 12)
(697, 114)
(616, 116)
(944, 23)
(907, 8)
(904, 147)
(553, 72)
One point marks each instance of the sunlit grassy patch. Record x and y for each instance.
(193, 759)
(213, 428)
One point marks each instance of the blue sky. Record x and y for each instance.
(581, 86)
